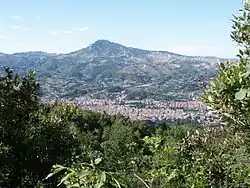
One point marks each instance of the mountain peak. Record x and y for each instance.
(102, 41)
(102, 45)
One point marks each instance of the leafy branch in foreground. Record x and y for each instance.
(87, 175)
(229, 92)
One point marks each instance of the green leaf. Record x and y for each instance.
(66, 177)
(75, 185)
(117, 182)
(103, 177)
(246, 74)
(99, 185)
(57, 168)
(210, 98)
(97, 161)
(248, 67)
(83, 173)
(240, 95)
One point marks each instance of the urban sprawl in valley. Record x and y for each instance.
(147, 109)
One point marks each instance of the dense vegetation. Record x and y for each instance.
(35, 136)
(61, 145)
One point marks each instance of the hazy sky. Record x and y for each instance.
(191, 27)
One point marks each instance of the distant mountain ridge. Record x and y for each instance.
(106, 69)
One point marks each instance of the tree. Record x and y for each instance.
(229, 93)
(19, 102)
(33, 136)
(217, 157)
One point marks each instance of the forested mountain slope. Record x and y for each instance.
(105, 69)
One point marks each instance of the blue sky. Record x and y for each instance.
(190, 27)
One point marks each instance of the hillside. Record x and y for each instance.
(109, 70)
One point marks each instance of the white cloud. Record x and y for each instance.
(38, 18)
(84, 29)
(55, 32)
(1, 37)
(17, 17)
(19, 27)
(15, 27)
(67, 32)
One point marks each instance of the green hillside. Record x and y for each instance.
(105, 69)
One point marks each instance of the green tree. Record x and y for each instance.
(229, 93)
(19, 102)
(33, 136)
(217, 157)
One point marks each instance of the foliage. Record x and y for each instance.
(229, 92)
(218, 157)
(87, 175)
(19, 102)
(214, 158)
(79, 148)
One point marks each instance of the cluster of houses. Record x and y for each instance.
(144, 109)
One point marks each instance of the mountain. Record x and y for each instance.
(109, 70)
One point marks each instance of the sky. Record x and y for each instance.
(188, 27)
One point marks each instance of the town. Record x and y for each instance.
(148, 109)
